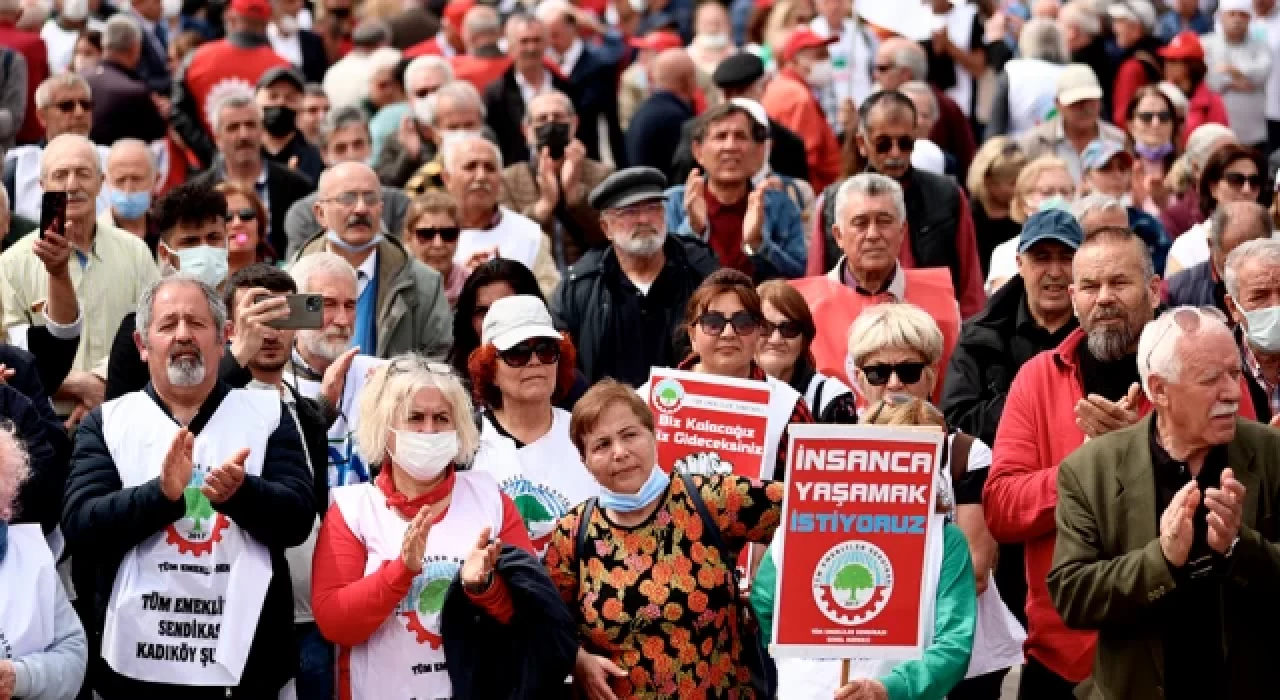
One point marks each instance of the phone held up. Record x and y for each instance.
(53, 213)
(306, 312)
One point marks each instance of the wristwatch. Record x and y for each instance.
(477, 590)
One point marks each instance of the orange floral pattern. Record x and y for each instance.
(656, 599)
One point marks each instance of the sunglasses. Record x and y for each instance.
(1239, 180)
(713, 322)
(519, 355)
(884, 144)
(448, 234)
(242, 214)
(1188, 319)
(790, 330)
(1149, 117)
(908, 373)
(69, 106)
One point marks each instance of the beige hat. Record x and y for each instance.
(1140, 11)
(1077, 82)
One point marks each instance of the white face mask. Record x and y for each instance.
(420, 110)
(207, 263)
(423, 456)
(1264, 328)
(712, 42)
(820, 74)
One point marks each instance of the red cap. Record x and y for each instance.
(801, 39)
(1184, 47)
(253, 9)
(457, 10)
(657, 41)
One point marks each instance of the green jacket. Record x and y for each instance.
(1110, 574)
(946, 659)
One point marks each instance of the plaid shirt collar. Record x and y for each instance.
(1255, 368)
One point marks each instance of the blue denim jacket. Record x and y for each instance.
(783, 247)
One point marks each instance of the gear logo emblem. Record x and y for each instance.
(540, 507)
(200, 526)
(422, 607)
(853, 583)
(668, 395)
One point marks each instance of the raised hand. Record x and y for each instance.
(571, 172)
(1097, 416)
(251, 321)
(1226, 505)
(223, 482)
(335, 377)
(1176, 530)
(477, 570)
(409, 138)
(175, 471)
(54, 251)
(414, 546)
(695, 201)
(753, 222)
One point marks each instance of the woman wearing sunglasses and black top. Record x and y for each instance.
(431, 229)
(786, 334)
(245, 218)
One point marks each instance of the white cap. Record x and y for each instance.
(513, 320)
(926, 156)
(1245, 6)
(754, 108)
(1140, 11)
(1077, 82)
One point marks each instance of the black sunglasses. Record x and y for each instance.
(246, 214)
(1238, 180)
(69, 106)
(519, 355)
(790, 330)
(448, 234)
(908, 373)
(713, 322)
(884, 144)
(1148, 117)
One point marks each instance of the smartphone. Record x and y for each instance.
(306, 312)
(53, 212)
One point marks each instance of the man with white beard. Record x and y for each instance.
(636, 288)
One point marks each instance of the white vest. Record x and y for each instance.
(1032, 92)
(404, 658)
(545, 478)
(346, 466)
(186, 602)
(516, 236)
(29, 583)
(832, 389)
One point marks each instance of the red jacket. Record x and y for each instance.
(1204, 107)
(1037, 431)
(33, 49)
(427, 47)
(789, 100)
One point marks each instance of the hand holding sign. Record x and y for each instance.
(591, 674)
(222, 483)
(477, 570)
(864, 689)
(175, 471)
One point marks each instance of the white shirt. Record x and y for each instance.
(529, 91)
(366, 272)
(570, 58)
(1270, 28)
(1004, 263)
(1192, 247)
(289, 47)
(61, 44)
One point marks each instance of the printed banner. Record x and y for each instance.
(707, 424)
(856, 524)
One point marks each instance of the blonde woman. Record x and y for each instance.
(992, 181)
(1044, 182)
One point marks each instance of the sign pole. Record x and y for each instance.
(844, 673)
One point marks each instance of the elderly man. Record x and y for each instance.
(1252, 275)
(237, 124)
(1077, 124)
(415, 150)
(279, 94)
(36, 56)
(63, 105)
(123, 106)
(1025, 86)
(871, 222)
(401, 305)
(900, 61)
(654, 133)
(941, 230)
(551, 187)
(1231, 225)
(755, 230)
(347, 82)
(507, 100)
(131, 177)
(112, 269)
(473, 175)
(636, 288)
(792, 99)
(483, 62)
(343, 138)
(187, 472)
(591, 71)
(1165, 541)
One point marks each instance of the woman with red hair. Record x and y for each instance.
(522, 367)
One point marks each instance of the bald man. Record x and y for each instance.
(401, 305)
(654, 134)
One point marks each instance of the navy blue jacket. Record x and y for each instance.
(594, 86)
(654, 133)
(1195, 286)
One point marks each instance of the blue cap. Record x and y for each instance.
(1052, 225)
(1098, 153)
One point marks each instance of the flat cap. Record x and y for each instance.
(627, 187)
(739, 70)
(275, 75)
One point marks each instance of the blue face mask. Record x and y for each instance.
(654, 487)
(1057, 201)
(129, 206)
(1264, 328)
(336, 240)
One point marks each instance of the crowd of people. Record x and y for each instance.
(327, 375)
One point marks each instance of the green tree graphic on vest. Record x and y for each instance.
(199, 508)
(431, 599)
(531, 510)
(853, 578)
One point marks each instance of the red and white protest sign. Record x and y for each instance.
(709, 425)
(856, 525)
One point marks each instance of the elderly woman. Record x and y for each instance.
(42, 643)
(246, 218)
(522, 363)
(992, 180)
(648, 567)
(896, 349)
(1044, 182)
(788, 330)
(389, 550)
(431, 230)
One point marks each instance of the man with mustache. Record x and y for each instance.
(1165, 541)
(623, 304)
(185, 496)
(506, 100)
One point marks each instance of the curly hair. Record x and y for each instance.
(192, 204)
(14, 469)
(482, 365)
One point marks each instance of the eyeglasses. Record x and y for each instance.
(371, 198)
(448, 234)
(790, 330)
(884, 144)
(883, 67)
(714, 322)
(1237, 181)
(69, 106)
(908, 372)
(1149, 117)
(246, 214)
(546, 349)
(1188, 319)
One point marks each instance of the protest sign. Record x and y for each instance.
(856, 523)
(706, 424)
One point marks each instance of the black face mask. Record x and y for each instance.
(554, 136)
(279, 121)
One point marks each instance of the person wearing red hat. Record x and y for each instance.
(235, 62)
(791, 98)
(635, 82)
(1184, 67)
(1239, 65)
(448, 41)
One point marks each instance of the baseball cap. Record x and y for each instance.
(1184, 46)
(1098, 153)
(657, 41)
(253, 9)
(1048, 225)
(1245, 6)
(513, 320)
(1077, 82)
(457, 10)
(278, 73)
(801, 39)
(1139, 11)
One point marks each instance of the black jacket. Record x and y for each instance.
(284, 187)
(309, 162)
(102, 521)
(153, 65)
(785, 158)
(126, 372)
(653, 136)
(504, 109)
(315, 436)
(584, 306)
(117, 92)
(530, 656)
(40, 496)
(594, 82)
(315, 61)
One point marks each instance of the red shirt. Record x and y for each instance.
(725, 238)
(33, 49)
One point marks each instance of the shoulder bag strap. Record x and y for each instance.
(961, 444)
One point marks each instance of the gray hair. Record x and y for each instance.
(1043, 39)
(320, 263)
(340, 118)
(551, 10)
(1263, 250)
(1203, 142)
(422, 64)
(457, 93)
(481, 20)
(44, 93)
(139, 144)
(146, 304)
(1118, 235)
(553, 94)
(870, 185)
(921, 89)
(1159, 343)
(385, 58)
(232, 99)
(1247, 213)
(910, 56)
(371, 33)
(122, 33)
(1095, 202)
(1080, 17)
(453, 143)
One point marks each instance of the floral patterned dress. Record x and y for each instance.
(657, 598)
